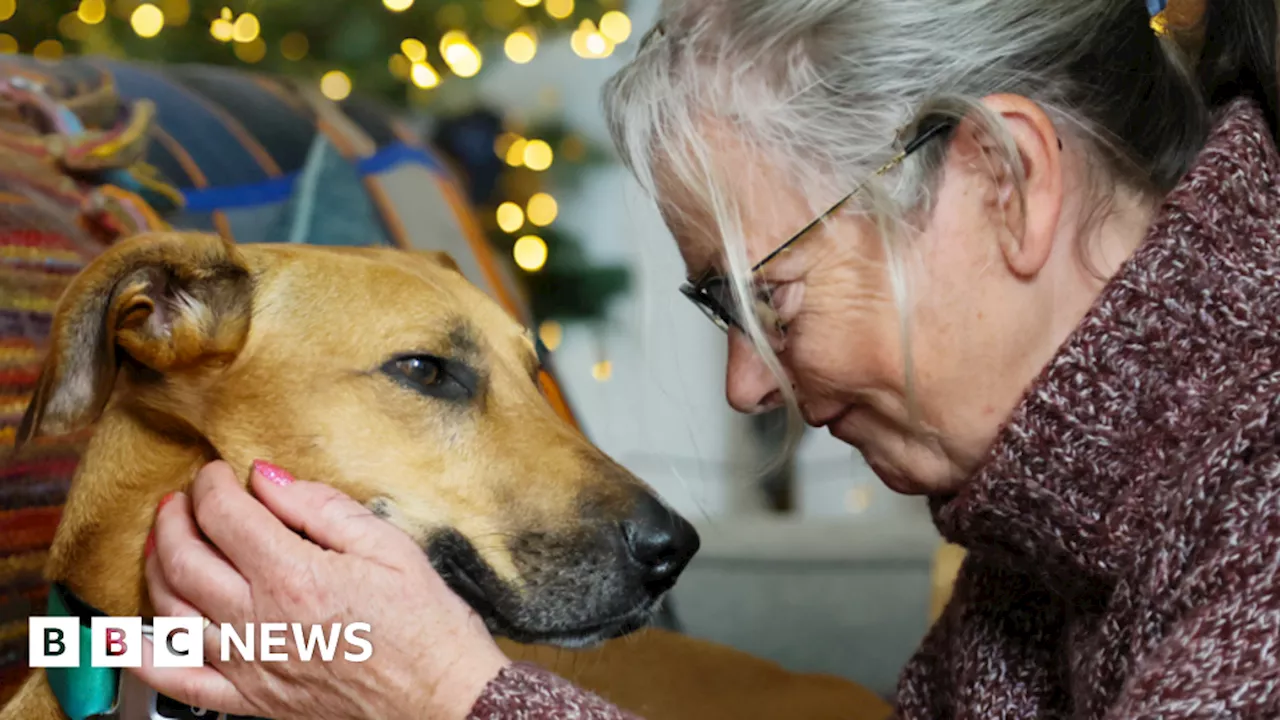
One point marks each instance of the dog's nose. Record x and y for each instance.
(659, 540)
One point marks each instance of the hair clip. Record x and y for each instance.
(1170, 15)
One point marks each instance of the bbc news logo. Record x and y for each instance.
(116, 642)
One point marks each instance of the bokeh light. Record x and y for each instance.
(537, 155)
(335, 85)
(48, 50)
(542, 209)
(616, 26)
(424, 76)
(530, 253)
(510, 217)
(521, 46)
(92, 12)
(246, 28)
(551, 333)
(147, 20)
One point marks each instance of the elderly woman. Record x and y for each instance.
(1024, 256)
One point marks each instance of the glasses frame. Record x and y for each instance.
(699, 290)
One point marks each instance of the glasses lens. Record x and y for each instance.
(715, 299)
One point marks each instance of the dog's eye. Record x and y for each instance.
(433, 376)
(419, 370)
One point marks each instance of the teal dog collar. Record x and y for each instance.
(84, 692)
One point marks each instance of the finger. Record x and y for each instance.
(202, 687)
(191, 570)
(164, 600)
(246, 532)
(328, 517)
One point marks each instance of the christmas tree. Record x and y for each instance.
(418, 55)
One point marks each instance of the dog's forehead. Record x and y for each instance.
(386, 294)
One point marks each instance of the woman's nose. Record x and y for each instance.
(749, 386)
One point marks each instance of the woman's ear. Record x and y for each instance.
(1031, 220)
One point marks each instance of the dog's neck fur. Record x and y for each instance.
(126, 470)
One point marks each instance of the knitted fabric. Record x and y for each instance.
(53, 221)
(1124, 536)
(527, 692)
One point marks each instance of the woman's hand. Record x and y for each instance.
(431, 654)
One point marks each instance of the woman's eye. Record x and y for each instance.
(785, 300)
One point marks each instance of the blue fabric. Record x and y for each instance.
(281, 188)
(1155, 6)
(236, 196)
(82, 691)
(192, 122)
(393, 155)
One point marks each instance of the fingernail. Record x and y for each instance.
(207, 622)
(150, 546)
(165, 501)
(275, 474)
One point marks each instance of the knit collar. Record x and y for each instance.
(1070, 487)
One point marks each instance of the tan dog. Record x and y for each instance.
(386, 375)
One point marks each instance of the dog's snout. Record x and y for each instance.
(659, 540)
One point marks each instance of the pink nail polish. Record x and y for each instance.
(273, 473)
(165, 501)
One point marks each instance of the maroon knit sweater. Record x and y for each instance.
(1124, 534)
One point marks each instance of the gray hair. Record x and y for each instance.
(821, 89)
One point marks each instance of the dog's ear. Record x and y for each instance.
(443, 259)
(164, 301)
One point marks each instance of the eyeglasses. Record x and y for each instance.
(713, 293)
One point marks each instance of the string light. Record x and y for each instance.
(222, 30)
(616, 26)
(398, 5)
(503, 144)
(587, 42)
(48, 50)
(8, 44)
(7, 9)
(226, 14)
(92, 12)
(510, 217)
(602, 371)
(559, 9)
(551, 333)
(399, 66)
(464, 60)
(414, 49)
(521, 46)
(542, 209)
(246, 28)
(528, 3)
(537, 155)
(147, 20)
(294, 46)
(530, 253)
(251, 52)
(515, 153)
(335, 85)
(424, 76)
